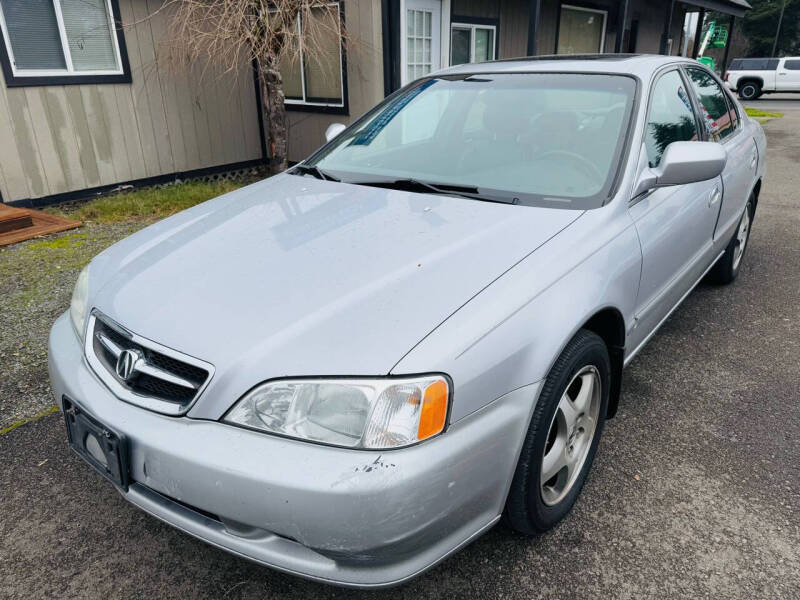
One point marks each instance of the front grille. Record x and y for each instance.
(155, 373)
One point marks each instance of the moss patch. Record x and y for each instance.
(36, 417)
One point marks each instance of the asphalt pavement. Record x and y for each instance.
(695, 491)
(776, 102)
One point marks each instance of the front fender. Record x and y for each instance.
(510, 334)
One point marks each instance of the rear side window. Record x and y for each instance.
(670, 117)
(792, 65)
(715, 113)
(754, 64)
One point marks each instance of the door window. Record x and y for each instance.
(754, 64)
(670, 118)
(792, 65)
(581, 30)
(715, 110)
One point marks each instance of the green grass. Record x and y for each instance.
(754, 112)
(147, 204)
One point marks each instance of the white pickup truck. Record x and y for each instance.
(751, 77)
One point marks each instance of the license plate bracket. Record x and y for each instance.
(97, 444)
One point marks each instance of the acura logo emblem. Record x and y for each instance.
(126, 364)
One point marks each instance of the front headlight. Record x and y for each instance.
(353, 413)
(78, 304)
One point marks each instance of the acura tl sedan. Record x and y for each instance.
(353, 369)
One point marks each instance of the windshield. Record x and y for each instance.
(549, 139)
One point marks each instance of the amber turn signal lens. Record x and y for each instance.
(434, 410)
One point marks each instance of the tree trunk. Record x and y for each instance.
(273, 101)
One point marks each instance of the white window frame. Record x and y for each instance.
(304, 101)
(65, 48)
(589, 10)
(472, 27)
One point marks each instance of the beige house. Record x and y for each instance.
(86, 105)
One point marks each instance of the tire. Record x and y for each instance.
(534, 506)
(749, 90)
(727, 268)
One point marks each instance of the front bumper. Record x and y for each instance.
(349, 517)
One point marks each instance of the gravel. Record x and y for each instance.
(695, 491)
(36, 281)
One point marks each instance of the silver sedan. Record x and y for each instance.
(351, 370)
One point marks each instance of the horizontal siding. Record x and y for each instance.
(59, 139)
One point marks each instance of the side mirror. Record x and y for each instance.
(682, 163)
(333, 130)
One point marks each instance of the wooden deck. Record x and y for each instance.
(20, 224)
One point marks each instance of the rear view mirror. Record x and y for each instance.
(682, 163)
(333, 130)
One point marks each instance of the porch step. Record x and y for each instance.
(12, 218)
(20, 224)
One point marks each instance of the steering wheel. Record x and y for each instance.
(582, 161)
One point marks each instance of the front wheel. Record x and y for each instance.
(727, 268)
(562, 438)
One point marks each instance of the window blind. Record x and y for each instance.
(88, 30)
(33, 34)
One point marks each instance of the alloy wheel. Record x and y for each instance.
(742, 235)
(570, 436)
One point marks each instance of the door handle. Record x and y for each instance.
(714, 197)
(753, 160)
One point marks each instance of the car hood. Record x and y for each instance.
(293, 276)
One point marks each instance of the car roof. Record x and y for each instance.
(641, 65)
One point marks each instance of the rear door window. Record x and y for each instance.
(715, 112)
(670, 117)
(792, 65)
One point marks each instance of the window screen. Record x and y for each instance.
(87, 25)
(66, 37)
(315, 77)
(33, 31)
(324, 72)
(670, 118)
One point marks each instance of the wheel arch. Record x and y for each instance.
(749, 79)
(756, 193)
(609, 324)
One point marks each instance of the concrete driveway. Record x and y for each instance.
(695, 491)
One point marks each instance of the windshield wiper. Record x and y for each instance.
(314, 171)
(415, 185)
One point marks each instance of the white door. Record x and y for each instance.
(421, 52)
(789, 75)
